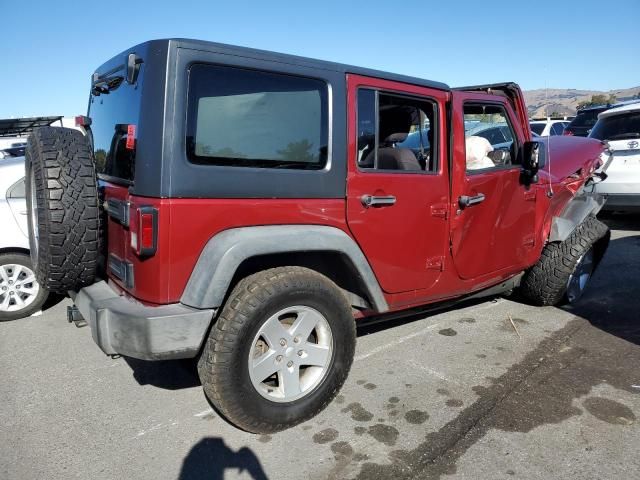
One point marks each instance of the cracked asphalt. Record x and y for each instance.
(489, 390)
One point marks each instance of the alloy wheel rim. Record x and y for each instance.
(291, 353)
(580, 277)
(18, 287)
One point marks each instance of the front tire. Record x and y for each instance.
(565, 268)
(279, 351)
(20, 293)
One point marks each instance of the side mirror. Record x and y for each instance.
(533, 159)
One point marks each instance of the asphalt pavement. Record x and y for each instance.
(489, 390)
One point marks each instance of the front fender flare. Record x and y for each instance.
(225, 251)
(579, 208)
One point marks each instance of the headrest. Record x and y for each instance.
(396, 138)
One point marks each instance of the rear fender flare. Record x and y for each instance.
(225, 252)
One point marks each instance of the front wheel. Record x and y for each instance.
(565, 268)
(279, 351)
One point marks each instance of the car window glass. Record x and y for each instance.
(249, 118)
(618, 127)
(490, 142)
(17, 190)
(396, 132)
(537, 127)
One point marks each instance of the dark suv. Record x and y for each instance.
(584, 120)
(247, 208)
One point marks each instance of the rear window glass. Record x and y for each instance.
(586, 119)
(112, 108)
(248, 118)
(537, 127)
(618, 127)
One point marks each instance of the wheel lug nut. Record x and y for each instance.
(290, 364)
(283, 342)
(300, 353)
(296, 340)
(279, 358)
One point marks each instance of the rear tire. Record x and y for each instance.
(62, 201)
(18, 286)
(249, 331)
(547, 281)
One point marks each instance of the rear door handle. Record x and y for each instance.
(466, 201)
(378, 201)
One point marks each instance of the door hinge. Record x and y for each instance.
(439, 210)
(435, 263)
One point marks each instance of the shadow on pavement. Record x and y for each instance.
(612, 299)
(211, 457)
(167, 374)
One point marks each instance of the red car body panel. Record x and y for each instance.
(423, 249)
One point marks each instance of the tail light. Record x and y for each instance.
(82, 121)
(144, 235)
(567, 132)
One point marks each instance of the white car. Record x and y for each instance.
(620, 127)
(20, 294)
(548, 128)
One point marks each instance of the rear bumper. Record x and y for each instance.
(120, 326)
(630, 202)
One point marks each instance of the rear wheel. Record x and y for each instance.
(279, 351)
(20, 293)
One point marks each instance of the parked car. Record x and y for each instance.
(584, 121)
(620, 127)
(548, 128)
(20, 294)
(256, 205)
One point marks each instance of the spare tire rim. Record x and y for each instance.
(34, 216)
(291, 354)
(18, 287)
(580, 277)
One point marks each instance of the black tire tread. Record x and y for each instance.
(68, 208)
(246, 297)
(545, 283)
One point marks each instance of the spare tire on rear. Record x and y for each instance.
(62, 201)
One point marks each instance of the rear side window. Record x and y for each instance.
(396, 132)
(114, 106)
(537, 127)
(247, 118)
(618, 127)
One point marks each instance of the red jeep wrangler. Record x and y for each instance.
(246, 207)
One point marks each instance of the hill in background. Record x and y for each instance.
(552, 101)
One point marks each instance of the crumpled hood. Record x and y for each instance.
(566, 155)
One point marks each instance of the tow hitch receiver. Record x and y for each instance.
(74, 315)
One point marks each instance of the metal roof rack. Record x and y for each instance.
(14, 127)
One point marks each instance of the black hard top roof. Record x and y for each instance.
(13, 127)
(296, 60)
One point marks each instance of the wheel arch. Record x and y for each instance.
(235, 253)
(573, 214)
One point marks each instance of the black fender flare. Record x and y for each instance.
(225, 251)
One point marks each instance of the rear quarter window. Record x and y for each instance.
(618, 127)
(247, 118)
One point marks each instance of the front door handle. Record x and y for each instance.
(466, 201)
(378, 201)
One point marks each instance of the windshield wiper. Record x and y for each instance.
(623, 136)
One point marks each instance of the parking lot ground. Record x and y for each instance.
(489, 390)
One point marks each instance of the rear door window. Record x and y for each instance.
(247, 118)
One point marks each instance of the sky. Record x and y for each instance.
(50, 49)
